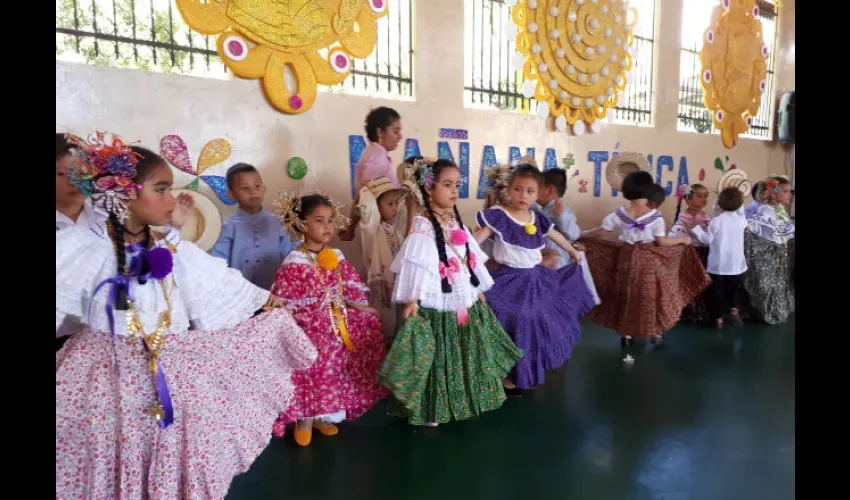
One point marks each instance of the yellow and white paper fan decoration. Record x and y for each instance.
(575, 56)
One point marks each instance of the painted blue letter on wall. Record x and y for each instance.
(411, 148)
(682, 180)
(664, 161)
(597, 158)
(550, 161)
(488, 160)
(514, 154)
(356, 145)
(445, 152)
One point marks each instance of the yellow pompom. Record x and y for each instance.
(327, 259)
(531, 229)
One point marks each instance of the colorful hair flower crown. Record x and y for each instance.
(288, 205)
(685, 191)
(103, 169)
(418, 173)
(498, 178)
(770, 184)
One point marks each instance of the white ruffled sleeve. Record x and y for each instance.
(216, 296)
(415, 266)
(83, 259)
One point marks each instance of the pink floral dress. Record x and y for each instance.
(342, 384)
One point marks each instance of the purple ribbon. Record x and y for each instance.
(637, 225)
(124, 283)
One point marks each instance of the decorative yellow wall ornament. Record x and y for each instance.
(574, 55)
(734, 67)
(261, 38)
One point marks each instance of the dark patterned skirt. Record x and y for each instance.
(643, 287)
(697, 311)
(439, 371)
(769, 280)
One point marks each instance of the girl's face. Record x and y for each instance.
(320, 228)
(781, 194)
(388, 206)
(444, 192)
(67, 194)
(523, 192)
(154, 204)
(698, 199)
(391, 136)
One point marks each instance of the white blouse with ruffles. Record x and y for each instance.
(417, 269)
(208, 295)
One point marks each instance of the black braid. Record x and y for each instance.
(473, 279)
(678, 209)
(120, 256)
(439, 238)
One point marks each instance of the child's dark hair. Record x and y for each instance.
(694, 187)
(380, 118)
(525, 170)
(635, 184)
(311, 202)
(755, 190)
(655, 195)
(148, 161)
(63, 147)
(239, 168)
(730, 199)
(556, 177)
(437, 168)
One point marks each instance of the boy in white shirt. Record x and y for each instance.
(726, 261)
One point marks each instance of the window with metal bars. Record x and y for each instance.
(693, 116)
(491, 82)
(151, 35)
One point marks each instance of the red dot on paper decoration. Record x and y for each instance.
(235, 48)
(341, 61)
(702, 174)
(295, 102)
(733, 167)
(378, 3)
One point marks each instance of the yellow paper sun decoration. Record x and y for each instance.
(734, 67)
(262, 38)
(577, 51)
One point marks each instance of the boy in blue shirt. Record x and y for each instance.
(551, 204)
(251, 240)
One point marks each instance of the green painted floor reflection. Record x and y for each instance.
(708, 417)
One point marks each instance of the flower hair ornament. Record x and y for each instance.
(498, 178)
(685, 191)
(288, 205)
(770, 184)
(103, 169)
(413, 175)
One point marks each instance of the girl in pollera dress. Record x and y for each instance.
(448, 360)
(695, 197)
(331, 304)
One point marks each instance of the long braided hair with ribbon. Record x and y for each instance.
(427, 176)
(686, 192)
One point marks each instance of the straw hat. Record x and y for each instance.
(735, 178)
(622, 165)
(381, 185)
(204, 225)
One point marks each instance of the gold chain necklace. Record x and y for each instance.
(337, 311)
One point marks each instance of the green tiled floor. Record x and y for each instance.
(709, 417)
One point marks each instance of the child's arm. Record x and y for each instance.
(705, 237)
(286, 245)
(566, 222)
(224, 246)
(595, 233)
(562, 242)
(482, 234)
(664, 241)
(347, 234)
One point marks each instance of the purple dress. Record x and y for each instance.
(538, 307)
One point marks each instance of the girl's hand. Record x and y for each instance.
(579, 247)
(182, 210)
(362, 308)
(576, 256)
(347, 234)
(411, 309)
(482, 298)
(685, 240)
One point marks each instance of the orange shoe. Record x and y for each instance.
(327, 429)
(303, 436)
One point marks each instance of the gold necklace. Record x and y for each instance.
(337, 311)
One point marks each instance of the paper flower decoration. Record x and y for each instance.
(266, 38)
(174, 149)
(734, 67)
(574, 55)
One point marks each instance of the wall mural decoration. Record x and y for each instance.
(296, 168)
(575, 55)
(174, 149)
(734, 67)
(667, 171)
(273, 39)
